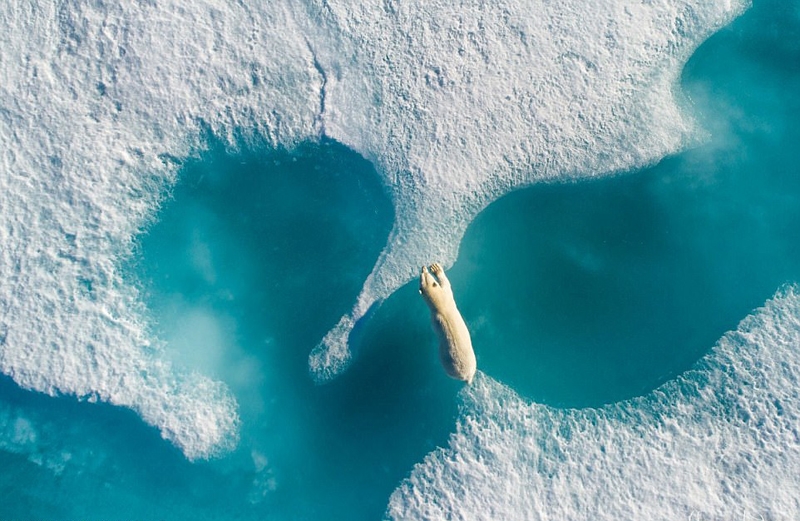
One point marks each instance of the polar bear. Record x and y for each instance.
(455, 346)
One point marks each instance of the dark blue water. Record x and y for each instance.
(576, 294)
(588, 293)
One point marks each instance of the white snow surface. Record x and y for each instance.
(456, 103)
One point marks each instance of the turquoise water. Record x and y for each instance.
(247, 265)
(577, 295)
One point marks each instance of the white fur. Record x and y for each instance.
(455, 345)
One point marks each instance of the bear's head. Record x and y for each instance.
(432, 291)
